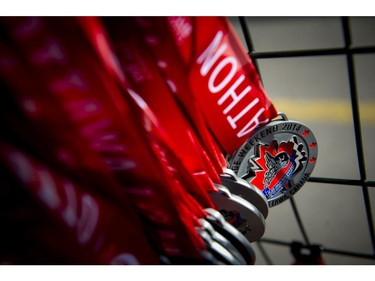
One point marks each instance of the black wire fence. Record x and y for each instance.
(348, 50)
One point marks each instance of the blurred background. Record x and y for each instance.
(309, 74)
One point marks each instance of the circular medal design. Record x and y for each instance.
(278, 159)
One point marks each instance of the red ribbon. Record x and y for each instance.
(222, 78)
(101, 118)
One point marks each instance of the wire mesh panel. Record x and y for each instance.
(320, 71)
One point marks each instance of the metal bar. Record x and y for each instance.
(357, 128)
(324, 249)
(249, 42)
(246, 34)
(351, 182)
(310, 53)
(348, 253)
(299, 221)
(275, 241)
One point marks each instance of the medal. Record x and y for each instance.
(244, 216)
(218, 222)
(247, 191)
(278, 159)
(216, 236)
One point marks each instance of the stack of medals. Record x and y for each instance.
(138, 141)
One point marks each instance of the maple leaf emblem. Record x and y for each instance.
(273, 165)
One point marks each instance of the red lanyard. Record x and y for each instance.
(94, 105)
(160, 141)
(146, 80)
(222, 78)
(166, 57)
(113, 141)
(77, 205)
(142, 70)
(99, 227)
(138, 65)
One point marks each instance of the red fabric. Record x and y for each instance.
(223, 79)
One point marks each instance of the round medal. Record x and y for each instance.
(278, 159)
(244, 216)
(245, 190)
(218, 222)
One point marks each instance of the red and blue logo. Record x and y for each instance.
(275, 164)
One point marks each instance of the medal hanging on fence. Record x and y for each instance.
(161, 143)
(178, 34)
(250, 220)
(278, 158)
(236, 107)
(244, 215)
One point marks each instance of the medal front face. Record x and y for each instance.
(278, 159)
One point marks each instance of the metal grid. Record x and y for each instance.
(348, 51)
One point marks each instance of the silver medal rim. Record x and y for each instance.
(306, 140)
(248, 192)
(254, 225)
